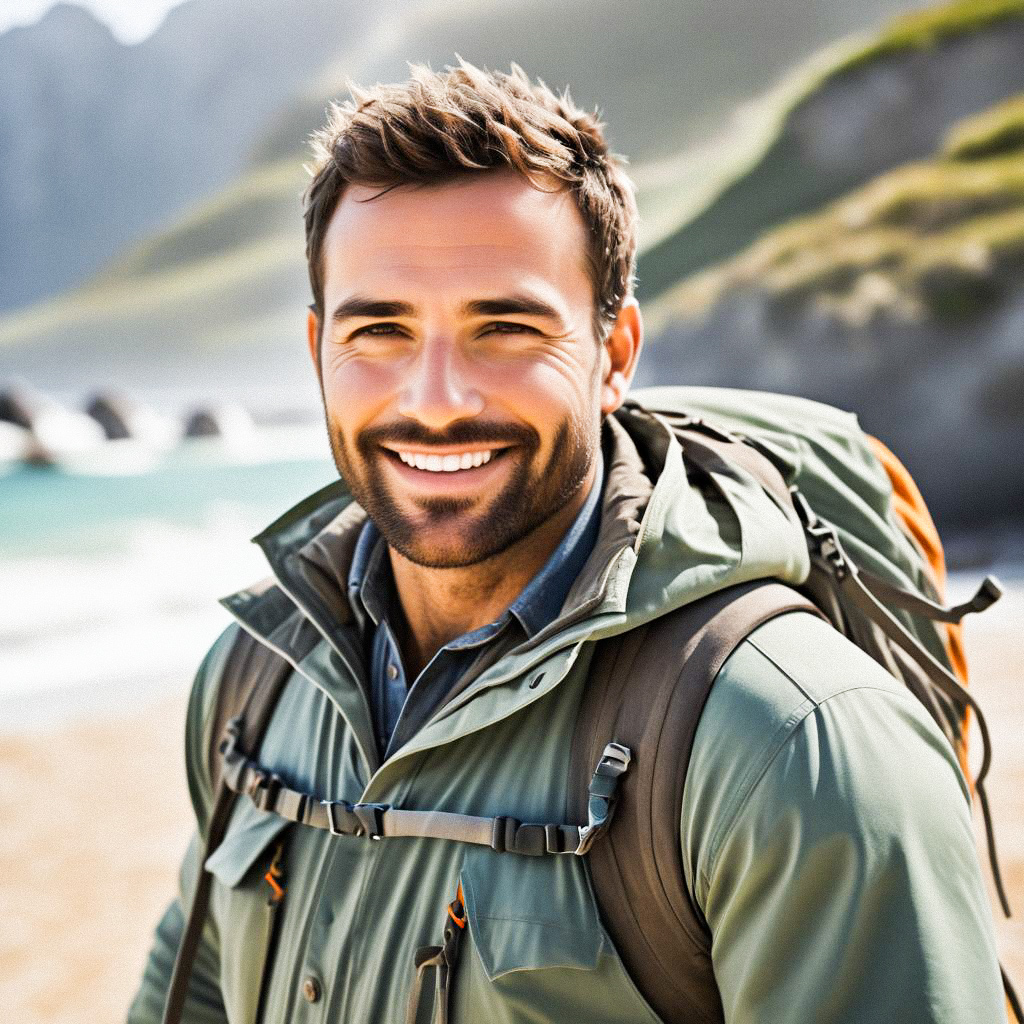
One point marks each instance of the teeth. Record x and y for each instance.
(445, 463)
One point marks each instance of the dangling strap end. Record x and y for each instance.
(988, 593)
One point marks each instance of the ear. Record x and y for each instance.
(619, 356)
(313, 336)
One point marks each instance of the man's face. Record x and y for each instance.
(461, 377)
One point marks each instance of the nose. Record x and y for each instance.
(438, 389)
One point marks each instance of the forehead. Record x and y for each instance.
(488, 230)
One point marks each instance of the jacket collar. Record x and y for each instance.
(664, 540)
(310, 550)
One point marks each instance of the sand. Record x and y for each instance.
(96, 816)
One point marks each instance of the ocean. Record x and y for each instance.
(110, 573)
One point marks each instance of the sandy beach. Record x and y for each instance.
(96, 817)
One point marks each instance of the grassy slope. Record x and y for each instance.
(940, 238)
(229, 261)
(763, 179)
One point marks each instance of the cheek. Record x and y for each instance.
(355, 389)
(556, 384)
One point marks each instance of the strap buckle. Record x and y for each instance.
(371, 817)
(339, 817)
(613, 764)
(230, 737)
(263, 789)
(345, 819)
(824, 539)
(233, 761)
(614, 761)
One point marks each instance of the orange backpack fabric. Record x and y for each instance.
(917, 522)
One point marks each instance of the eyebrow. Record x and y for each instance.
(373, 308)
(508, 305)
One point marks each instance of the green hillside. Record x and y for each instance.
(776, 167)
(941, 239)
(665, 74)
(232, 270)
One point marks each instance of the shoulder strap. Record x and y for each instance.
(247, 693)
(647, 690)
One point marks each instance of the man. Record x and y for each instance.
(471, 247)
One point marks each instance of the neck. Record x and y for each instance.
(442, 604)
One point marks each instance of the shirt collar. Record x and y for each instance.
(370, 585)
(543, 597)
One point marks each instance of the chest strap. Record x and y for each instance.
(381, 821)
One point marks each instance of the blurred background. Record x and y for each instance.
(832, 198)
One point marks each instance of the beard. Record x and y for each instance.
(449, 533)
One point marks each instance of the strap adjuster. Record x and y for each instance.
(339, 817)
(371, 818)
(612, 765)
(345, 819)
(264, 789)
(614, 761)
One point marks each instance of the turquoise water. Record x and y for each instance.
(111, 573)
(53, 513)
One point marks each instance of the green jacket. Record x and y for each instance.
(826, 829)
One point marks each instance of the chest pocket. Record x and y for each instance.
(536, 950)
(245, 905)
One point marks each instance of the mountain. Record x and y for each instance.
(229, 276)
(665, 74)
(854, 234)
(102, 143)
(903, 299)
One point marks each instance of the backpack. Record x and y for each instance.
(877, 575)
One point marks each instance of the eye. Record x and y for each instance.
(377, 331)
(506, 327)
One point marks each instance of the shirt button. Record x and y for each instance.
(311, 988)
(392, 671)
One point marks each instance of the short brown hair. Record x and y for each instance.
(463, 120)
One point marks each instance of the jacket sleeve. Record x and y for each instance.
(204, 1005)
(841, 881)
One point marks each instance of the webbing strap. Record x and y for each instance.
(984, 597)
(828, 554)
(714, 449)
(501, 833)
(253, 678)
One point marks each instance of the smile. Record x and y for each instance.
(450, 463)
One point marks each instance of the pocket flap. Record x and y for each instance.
(527, 913)
(251, 831)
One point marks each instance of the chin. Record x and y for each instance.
(441, 552)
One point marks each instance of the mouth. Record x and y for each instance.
(457, 462)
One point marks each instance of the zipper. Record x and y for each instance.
(351, 662)
(443, 959)
(275, 880)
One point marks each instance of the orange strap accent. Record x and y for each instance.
(913, 514)
(273, 874)
(457, 909)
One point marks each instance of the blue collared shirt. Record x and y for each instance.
(399, 710)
